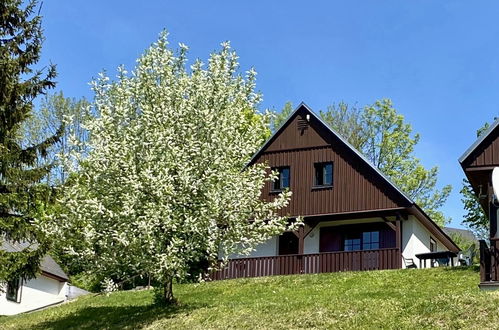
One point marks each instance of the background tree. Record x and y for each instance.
(381, 134)
(162, 186)
(54, 111)
(278, 118)
(475, 218)
(22, 197)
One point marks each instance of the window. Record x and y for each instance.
(370, 240)
(352, 243)
(323, 174)
(288, 244)
(282, 181)
(13, 290)
(433, 245)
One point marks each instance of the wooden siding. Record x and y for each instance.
(356, 187)
(298, 134)
(487, 153)
(309, 264)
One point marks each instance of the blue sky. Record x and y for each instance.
(437, 60)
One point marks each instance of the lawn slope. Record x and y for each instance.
(433, 298)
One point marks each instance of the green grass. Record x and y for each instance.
(432, 298)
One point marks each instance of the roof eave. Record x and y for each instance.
(478, 141)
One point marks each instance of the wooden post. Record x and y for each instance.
(301, 240)
(494, 276)
(398, 240)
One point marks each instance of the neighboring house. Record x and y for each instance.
(355, 217)
(465, 257)
(478, 162)
(48, 288)
(464, 233)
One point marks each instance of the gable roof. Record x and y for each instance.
(478, 141)
(48, 266)
(413, 207)
(337, 135)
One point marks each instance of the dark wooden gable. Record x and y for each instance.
(479, 161)
(357, 186)
(485, 152)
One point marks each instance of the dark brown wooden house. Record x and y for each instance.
(478, 162)
(355, 217)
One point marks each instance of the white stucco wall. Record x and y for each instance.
(416, 239)
(266, 249)
(36, 293)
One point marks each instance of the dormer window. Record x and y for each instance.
(282, 181)
(323, 174)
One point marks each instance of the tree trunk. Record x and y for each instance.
(168, 291)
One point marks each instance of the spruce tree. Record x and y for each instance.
(22, 196)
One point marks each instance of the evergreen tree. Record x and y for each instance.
(22, 197)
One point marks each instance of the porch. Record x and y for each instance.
(489, 264)
(387, 258)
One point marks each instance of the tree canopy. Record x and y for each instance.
(163, 185)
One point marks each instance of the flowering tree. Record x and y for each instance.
(163, 185)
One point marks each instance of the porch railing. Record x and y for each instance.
(310, 263)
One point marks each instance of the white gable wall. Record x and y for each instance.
(416, 239)
(36, 293)
(265, 249)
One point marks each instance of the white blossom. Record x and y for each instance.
(163, 184)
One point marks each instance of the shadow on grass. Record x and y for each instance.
(474, 268)
(119, 317)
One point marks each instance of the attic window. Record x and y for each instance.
(302, 124)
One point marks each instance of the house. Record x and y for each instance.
(49, 287)
(466, 236)
(478, 162)
(355, 217)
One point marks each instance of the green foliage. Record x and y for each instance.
(55, 111)
(88, 281)
(390, 147)
(348, 121)
(443, 298)
(278, 118)
(475, 217)
(467, 245)
(22, 198)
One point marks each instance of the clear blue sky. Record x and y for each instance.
(437, 60)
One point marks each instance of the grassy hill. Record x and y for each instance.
(432, 298)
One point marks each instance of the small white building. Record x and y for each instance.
(48, 288)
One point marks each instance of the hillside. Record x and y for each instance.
(433, 298)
